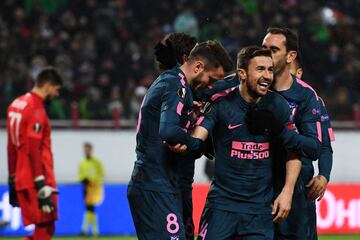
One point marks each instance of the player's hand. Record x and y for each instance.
(282, 206)
(263, 122)
(46, 205)
(317, 187)
(165, 54)
(44, 193)
(178, 148)
(197, 109)
(12, 192)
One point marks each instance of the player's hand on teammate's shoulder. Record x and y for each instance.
(317, 187)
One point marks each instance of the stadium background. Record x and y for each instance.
(104, 50)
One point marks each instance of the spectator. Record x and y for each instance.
(97, 44)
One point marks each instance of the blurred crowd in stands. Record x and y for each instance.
(104, 49)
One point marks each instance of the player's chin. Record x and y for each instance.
(261, 91)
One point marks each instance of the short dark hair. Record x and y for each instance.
(182, 44)
(213, 53)
(299, 60)
(88, 144)
(48, 75)
(291, 38)
(247, 53)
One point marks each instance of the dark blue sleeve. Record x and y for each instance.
(308, 142)
(209, 119)
(171, 110)
(209, 93)
(326, 154)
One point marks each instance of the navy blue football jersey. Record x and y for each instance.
(165, 115)
(326, 153)
(305, 113)
(243, 165)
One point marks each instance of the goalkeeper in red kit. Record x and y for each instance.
(32, 183)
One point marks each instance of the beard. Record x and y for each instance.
(280, 66)
(253, 86)
(196, 83)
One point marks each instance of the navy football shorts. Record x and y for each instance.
(294, 227)
(156, 215)
(219, 224)
(187, 205)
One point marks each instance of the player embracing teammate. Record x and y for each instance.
(259, 134)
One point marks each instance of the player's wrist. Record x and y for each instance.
(324, 177)
(39, 182)
(288, 190)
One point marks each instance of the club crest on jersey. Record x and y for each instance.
(37, 127)
(315, 111)
(293, 107)
(181, 92)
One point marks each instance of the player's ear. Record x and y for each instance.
(184, 58)
(299, 73)
(291, 56)
(199, 66)
(242, 73)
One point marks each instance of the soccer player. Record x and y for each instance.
(316, 186)
(305, 108)
(240, 197)
(91, 174)
(175, 49)
(30, 159)
(165, 116)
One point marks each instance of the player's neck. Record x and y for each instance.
(245, 94)
(283, 81)
(39, 92)
(185, 68)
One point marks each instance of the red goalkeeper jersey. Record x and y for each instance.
(29, 143)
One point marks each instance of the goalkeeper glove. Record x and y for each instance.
(44, 194)
(165, 54)
(12, 192)
(263, 122)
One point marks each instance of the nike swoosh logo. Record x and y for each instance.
(233, 126)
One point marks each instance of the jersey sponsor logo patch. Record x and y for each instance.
(250, 150)
(230, 126)
(181, 92)
(37, 127)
